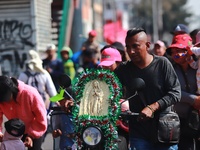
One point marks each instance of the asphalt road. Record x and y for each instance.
(48, 143)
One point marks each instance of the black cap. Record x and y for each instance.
(179, 29)
(15, 127)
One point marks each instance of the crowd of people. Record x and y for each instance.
(172, 80)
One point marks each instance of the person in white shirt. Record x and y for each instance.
(195, 49)
(36, 76)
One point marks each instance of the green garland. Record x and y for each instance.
(106, 123)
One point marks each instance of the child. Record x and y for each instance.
(64, 127)
(15, 129)
(66, 54)
(196, 51)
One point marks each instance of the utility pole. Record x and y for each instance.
(160, 18)
(155, 19)
(115, 17)
(93, 15)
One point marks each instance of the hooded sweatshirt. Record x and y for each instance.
(29, 107)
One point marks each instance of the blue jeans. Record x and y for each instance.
(141, 144)
(66, 128)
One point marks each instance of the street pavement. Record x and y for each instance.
(48, 142)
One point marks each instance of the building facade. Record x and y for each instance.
(24, 25)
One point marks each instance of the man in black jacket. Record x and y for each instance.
(162, 90)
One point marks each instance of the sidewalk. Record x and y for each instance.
(48, 142)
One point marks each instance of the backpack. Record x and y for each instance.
(33, 81)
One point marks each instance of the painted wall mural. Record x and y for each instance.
(15, 41)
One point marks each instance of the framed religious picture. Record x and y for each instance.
(96, 109)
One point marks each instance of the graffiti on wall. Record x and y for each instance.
(15, 41)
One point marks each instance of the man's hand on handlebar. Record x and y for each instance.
(148, 112)
(145, 114)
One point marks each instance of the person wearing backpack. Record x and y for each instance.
(39, 78)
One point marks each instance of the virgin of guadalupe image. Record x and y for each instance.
(95, 105)
(95, 99)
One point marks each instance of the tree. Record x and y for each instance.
(174, 13)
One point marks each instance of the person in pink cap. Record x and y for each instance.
(110, 58)
(159, 48)
(90, 51)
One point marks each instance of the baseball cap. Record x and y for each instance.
(197, 39)
(160, 43)
(15, 127)
(67, 49)
(181, 41)
(180, 28)
(51, 47)
(93, 33)
(109, 56)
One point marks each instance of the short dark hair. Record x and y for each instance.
(194, 32)
(8, 86)
(134, 31)
(107, 46)
(119, 46)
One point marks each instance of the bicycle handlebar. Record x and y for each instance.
(129, 113)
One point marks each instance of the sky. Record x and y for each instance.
(193, 7)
